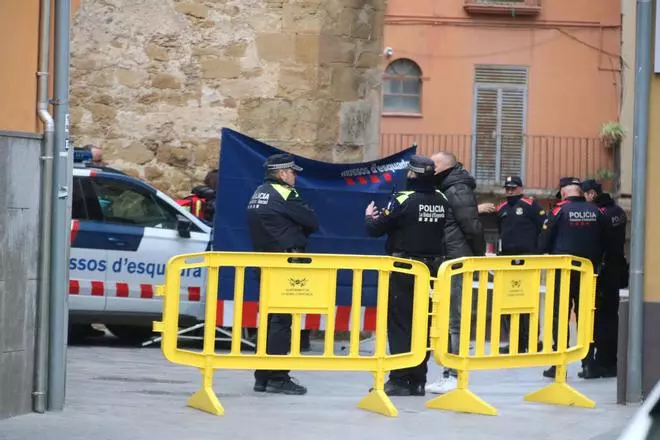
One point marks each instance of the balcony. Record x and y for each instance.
(512, 8)
(539, 160)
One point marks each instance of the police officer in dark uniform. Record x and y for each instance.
(574, 227)
(613, 276)
(414, 221)
(279, 221)
(519, 223)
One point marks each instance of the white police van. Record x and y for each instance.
(123, 232)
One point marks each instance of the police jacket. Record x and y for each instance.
(575, 227)
(415, 221)
(278, 219)
(519, 222)
(465, 236)
(617, 219)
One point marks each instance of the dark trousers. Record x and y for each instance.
(603, 351)
(399, 327)
(573, 305)
(278, 342)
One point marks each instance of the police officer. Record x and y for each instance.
(574, 227)
(519, 223)
(414, 221)
(279, 221)
(613, 276)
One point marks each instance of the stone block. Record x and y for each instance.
(102, 113)
(156, 52)
(137, 153)
(307, 48)
(275, 47)
(236, 50)
(152, 172)
(303, 19)
(166, 81)
(344, 86)
(217, 68)
(367, 59)
(356, 122)
(334, 50)
(193, 9)
(328, 131)
(297, 82)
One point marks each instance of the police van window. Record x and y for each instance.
(121, 202)
(78, 208)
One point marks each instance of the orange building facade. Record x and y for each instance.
(19, 51)
(511, 87)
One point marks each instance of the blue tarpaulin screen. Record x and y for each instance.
(339, 193)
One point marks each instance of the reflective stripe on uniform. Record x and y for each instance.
(282, 190)
(403, 196)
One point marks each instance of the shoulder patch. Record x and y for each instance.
(556, 209)
(527, 200)
(501, 205)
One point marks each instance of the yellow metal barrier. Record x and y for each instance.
(313, 291)
(516, 291)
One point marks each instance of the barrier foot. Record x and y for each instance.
(462, 400)
(560, 394)
(379, 402)
(206, 400)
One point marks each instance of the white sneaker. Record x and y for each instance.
(442, 386)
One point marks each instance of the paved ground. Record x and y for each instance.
(125, 393)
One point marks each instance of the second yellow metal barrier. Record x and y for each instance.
(295, 284)
(516, 292)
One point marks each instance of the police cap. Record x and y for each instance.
(281, 161)
(566, 181)
(513, 182)
(590, 184)
(421, 165)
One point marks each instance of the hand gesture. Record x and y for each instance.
(372, 210)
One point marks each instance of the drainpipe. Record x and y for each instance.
(59, 312)
(643, 58)
(41, 342)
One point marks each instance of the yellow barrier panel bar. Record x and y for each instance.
(514, 333)
(532, 340)
(377, 401)
(549, 310)
(356, 307)
(295, 334)
(262, 331)
(466, 324)
(482, 301)
(237, 321)
(563, 301)
(329, 341)
(495, 316)
(205, 398)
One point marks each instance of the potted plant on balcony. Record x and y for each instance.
(607, 178)
(612, 133)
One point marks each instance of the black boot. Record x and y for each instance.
(397, 388)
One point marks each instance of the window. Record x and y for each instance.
(500, 108)
(123, 203)
(402, 87)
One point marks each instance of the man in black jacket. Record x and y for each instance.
(279, 221)
(463, 238)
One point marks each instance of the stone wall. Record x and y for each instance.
(154, 81)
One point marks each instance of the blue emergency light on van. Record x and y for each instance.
(338, 192)
(81, 155)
